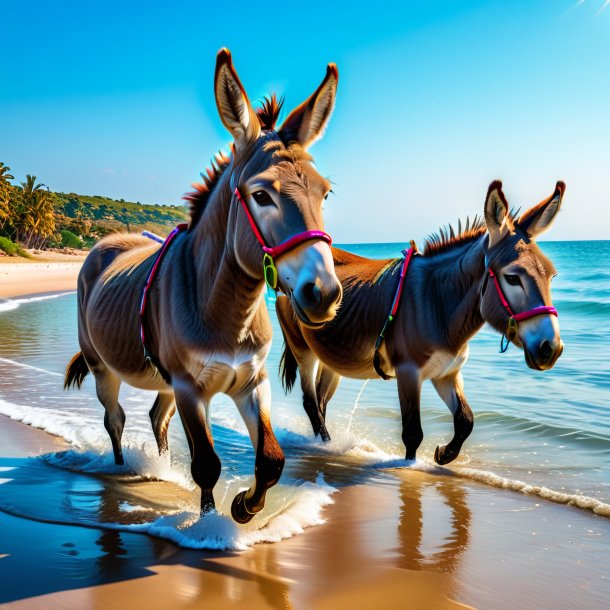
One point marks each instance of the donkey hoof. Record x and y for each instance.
(239, 512)
(324, 435)
(443, 456)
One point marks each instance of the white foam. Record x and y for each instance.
(11, 304)
(288, 511)
(141, 460)
(571, 499)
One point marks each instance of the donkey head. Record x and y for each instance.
(281, 191)
(516, 294)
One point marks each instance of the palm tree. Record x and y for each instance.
(5, 194)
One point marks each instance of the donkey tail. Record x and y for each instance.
(76, 371)
(288, 368)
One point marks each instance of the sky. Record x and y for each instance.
(436, 99)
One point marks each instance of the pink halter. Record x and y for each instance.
(514, 318)
(270, 271)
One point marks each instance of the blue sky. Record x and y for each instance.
(436, 99)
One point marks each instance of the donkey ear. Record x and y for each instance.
(539, 218)
(306, 123)
(234, 108)
(496, 213)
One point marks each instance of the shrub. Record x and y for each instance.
(69, 240)
(11, 248)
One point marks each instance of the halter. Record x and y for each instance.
(269, 268)
(408, 254)
(515, 318)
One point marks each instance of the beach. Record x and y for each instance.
(383, 535)
(42, 273)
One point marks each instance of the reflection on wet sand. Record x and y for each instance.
(417, 502)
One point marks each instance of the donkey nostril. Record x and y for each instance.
(546, 351)
(312, 294)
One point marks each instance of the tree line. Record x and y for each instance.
(33, 216)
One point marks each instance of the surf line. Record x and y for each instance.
(29, 366)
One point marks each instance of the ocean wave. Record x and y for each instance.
(583, 307)
(551, 431)
(11, 304)
(22, 365)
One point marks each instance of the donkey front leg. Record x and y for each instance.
(451, 390)
(409, 390)
(205, 464)
(253, 404)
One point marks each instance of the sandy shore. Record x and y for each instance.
(407, 540)
(42, 273)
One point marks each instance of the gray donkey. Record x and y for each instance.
(201, 326)
(492, 271)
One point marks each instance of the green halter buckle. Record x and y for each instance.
(269, 272)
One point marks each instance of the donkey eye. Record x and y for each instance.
(513, 280)
(262, 198)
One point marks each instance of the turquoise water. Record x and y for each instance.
(543, 433)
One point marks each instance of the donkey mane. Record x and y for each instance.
(269, 112)
(198, 198)
(447, 238)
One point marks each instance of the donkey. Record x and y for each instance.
(484, 273)
(204, 326)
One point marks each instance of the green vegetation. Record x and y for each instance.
(32, 216)
(11, 248)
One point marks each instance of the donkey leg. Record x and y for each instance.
(253, 404)
(160, 415)
(205, 464)
(307, 372)
(326, 386)
(107, 388)
(451, 390)
(409, 389)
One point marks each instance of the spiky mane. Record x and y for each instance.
(198, 198)
(269, 112)
(447, 238)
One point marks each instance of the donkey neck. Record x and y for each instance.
(228, 299)
(455, 279)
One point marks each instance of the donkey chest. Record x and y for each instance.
(227, 372)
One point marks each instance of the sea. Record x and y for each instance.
(542, 434)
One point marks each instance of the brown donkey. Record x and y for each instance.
(206, 328)
(493, 272)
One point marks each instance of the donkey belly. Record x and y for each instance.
(109, 327)
(347, 359)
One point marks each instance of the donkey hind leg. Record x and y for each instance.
(205, 464)
(254, 408)
(451, 390)
(160, 415)
(326, 385)
(409, 389)
(307, 372)
(107, 387)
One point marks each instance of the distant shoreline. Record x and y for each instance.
(43, 273)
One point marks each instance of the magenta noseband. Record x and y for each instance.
(514, 318)
(269, 268)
